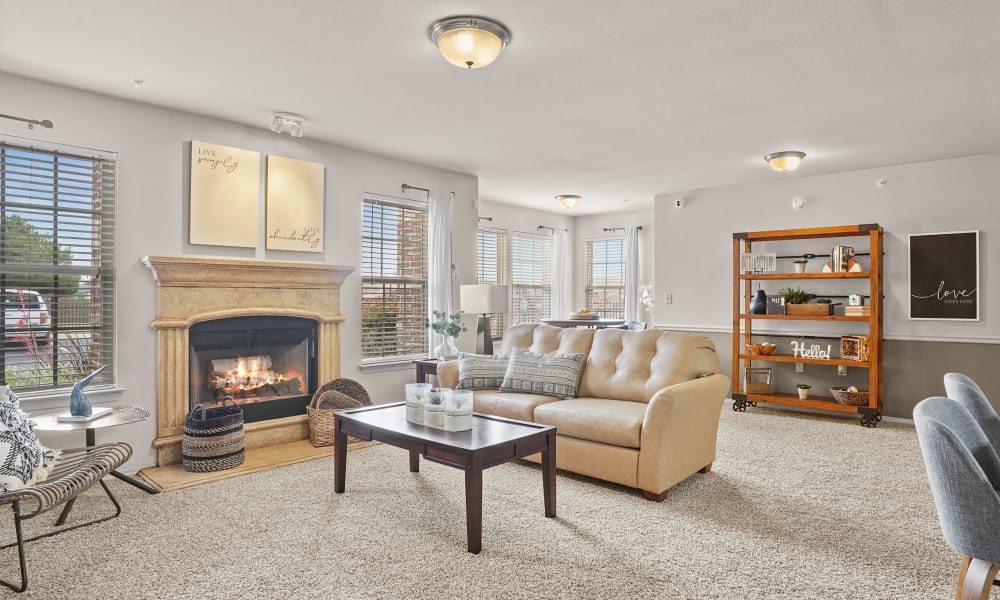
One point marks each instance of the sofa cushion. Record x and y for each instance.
(634, 365)
(507, 405)
(547, 374)
(546, 339)
(480, 371)
(615, 422)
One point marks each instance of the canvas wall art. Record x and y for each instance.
(225, 195)
(944, 276)
(295, 199)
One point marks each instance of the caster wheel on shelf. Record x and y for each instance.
(870, 420)
(740, 405)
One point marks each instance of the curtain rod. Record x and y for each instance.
(552, 229)
(620, 228)
(407, 186)
(486, 218)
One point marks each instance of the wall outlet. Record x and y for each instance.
(842, 370)
(800, 368)
(668, 298)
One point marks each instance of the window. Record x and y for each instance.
(491, 267)
(394, 278)
(531, 288)
(605, 289)
(57, 252)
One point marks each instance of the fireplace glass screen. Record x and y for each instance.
(265, 364)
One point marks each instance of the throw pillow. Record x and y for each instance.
(23, 459)
(546, 374)
(481, 371)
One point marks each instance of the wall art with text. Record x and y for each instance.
(295, 199)
(944, 276)
(225, 195)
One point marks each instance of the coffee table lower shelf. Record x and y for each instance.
(492, 441)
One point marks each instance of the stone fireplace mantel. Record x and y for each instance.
(194, 289)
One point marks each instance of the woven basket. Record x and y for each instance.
(842, 396)
(213, 438)
(330, 398)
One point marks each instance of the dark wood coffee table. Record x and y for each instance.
(492, 441)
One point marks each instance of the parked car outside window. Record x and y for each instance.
(25, 314)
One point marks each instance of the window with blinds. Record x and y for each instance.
(394, 279)
(531, 287)
(492, 267)
(57, 258)
(605, 287)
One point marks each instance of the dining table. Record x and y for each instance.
(591, 323)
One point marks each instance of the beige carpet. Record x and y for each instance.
(796, 507)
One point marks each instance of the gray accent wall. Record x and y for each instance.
(694, 262)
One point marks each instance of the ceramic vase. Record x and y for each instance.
(446, 349)
(758, 306)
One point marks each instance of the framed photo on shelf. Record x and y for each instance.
(944, 276)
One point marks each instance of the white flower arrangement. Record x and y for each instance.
(646, 296)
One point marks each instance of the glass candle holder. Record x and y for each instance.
(458, 410)
(434, 407)
(416, 397)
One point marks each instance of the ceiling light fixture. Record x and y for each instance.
(568, 200)
(468, 41)
(785, 161)
(286, 122)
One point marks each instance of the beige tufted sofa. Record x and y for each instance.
(648, 409)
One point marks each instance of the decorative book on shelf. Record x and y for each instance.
(98, 412)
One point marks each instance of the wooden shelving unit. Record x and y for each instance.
(743, 321)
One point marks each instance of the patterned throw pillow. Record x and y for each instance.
(23, 459)
(546, 374)
(480, 371)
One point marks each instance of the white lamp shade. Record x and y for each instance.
(470, 47)
(483, 298)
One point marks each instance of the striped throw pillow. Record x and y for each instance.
(480, 371)
(546, 374)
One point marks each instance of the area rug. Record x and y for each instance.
(796, 506)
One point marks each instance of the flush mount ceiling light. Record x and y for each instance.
(468, 41)
(785, 161)
(286, 122)
(568, 200)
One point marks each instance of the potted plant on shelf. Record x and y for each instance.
(796, 303)
(803, 390)
(448, 326)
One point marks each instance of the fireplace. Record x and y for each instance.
(282, 316)
(265, 364)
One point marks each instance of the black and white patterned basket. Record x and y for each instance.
(213, 438)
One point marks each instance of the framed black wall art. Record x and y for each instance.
(944, 276)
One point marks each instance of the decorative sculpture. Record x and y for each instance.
(79, 406)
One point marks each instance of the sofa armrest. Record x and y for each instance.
(679, 431)
(448, 374)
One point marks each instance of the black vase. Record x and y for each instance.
(758, 306)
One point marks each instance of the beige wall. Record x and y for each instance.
(153, 146)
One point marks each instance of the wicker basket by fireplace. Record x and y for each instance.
(339, 394)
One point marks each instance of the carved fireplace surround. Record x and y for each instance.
(191, 290)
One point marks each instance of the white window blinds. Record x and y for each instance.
(394, 278)
(531, 267)
(57, 258)
(605, 286)
(492, 267)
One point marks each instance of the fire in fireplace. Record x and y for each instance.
(266, 364)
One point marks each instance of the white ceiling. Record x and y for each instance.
(608, 99)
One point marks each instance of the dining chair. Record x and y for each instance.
(964, 473)
(963, 389)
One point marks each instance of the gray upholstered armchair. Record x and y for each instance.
(965, 391)
(964, 472)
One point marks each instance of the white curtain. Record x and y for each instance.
(559, 292)
(439, 263)
(633, 307)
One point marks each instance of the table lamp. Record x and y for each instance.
(484, 298)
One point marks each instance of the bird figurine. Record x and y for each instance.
(79, 406)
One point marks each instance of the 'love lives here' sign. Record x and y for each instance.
(944, 276)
